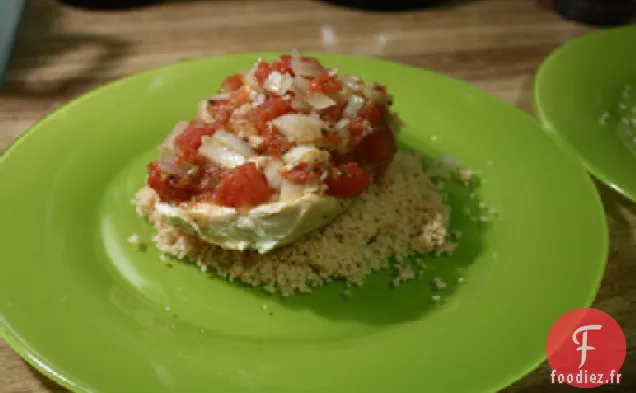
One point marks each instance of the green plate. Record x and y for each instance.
(578, 94)
(98, 315)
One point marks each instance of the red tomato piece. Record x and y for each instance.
(272, 108)
(262, 71)
(325, 83)
(283, 65)
(371, 113)
(232, 83)
(303, 173)
(347, 180)
(169, 187)
(244, 186)
(274, 143)
(377, 149)
(189, 141)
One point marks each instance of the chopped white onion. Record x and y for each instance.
(278, 83)
(351, 82)
(220, 97)
(250, 81)
(203, 112)
(272, 172)
(176, 130)
(353, 106)
(225, 149)
(233, 142)
(299, 128)
(306, 67)
(290, 191)
(319, 101)
(166, 162)
(308, 154)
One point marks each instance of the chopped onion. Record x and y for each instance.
(259, 100)
(220, 97)
(353, 106)
(233, 142)
(225, 149)
(278, 83)
(351, 82)
(319, 101)
(176, 130)
(301, 85)
(300, 104)
(167, 164)
(250, 81)
(306, 67)
(308, 154)
(298, 127)
(203, 112)
(290, 191)
(272, 172)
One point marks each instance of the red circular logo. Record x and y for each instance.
(586, 348)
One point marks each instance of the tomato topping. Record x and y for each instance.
(347, 180)
(169, 187)
(189, 141)
(274, 143)
(329, 141)
(377, 149)
(303, 173)
(272, 108)
(283, 65)
(262, 71)
(380, 88)
(232, 83)
(243, 187)
(356, 127)
(325, 83)
(333, 114)
(371, 113)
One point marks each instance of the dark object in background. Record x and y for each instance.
(388, 5)
(108, 4)
(598, 12)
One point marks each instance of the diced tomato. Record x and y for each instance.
(371, 113)
(232, 83)
(329, 141)
(347, 181)
(283, 65)
(303, 173)
(380, 88)
(334, 113)
(274, 143)
(262, 71)
(169, 187)
(377, 149)
(244, 186)
(189, 141)
(325, 83)
(356, 127)
(272, 108)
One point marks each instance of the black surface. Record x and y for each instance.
(598, 12)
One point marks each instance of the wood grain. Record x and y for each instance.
(497, 45)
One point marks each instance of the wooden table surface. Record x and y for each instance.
(497, 45)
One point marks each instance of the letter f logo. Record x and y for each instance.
(583, 344)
